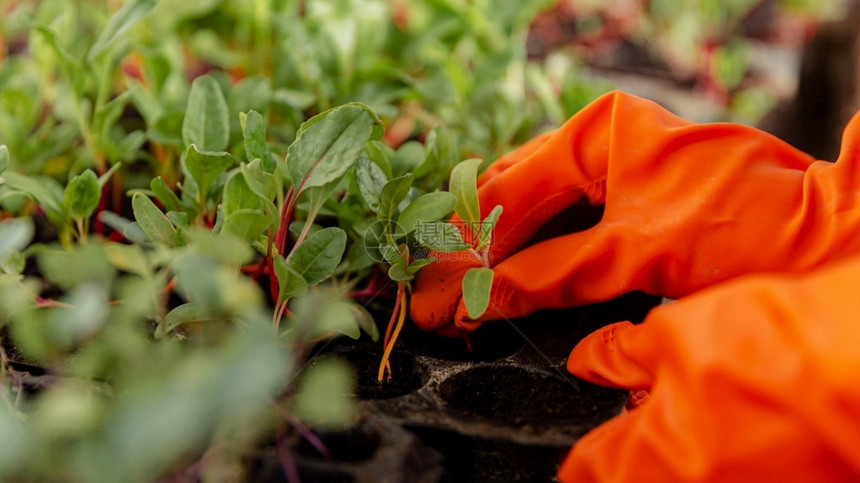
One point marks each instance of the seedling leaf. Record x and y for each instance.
(464, 186)
(81, 196)
(487, 227)
(318, 256)
(477, 284)
(205, 166)
(290, 282)
(426, 208)
(370, 180)
(329, 144)
(164, 194)
(441, 236)
(254, 133)
(246, 223)
(392, 194)
(182, 314)
(207, 123)
(153, 222)
(239, 196)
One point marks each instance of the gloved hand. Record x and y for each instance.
(686, 205)
(751, 380)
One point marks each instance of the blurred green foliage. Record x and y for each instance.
(164, 271)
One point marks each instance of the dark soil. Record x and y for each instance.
(407, 374)
(355, 444)
(490, 342)
(514, 395)
(469, 459)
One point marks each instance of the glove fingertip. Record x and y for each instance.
(599, 358)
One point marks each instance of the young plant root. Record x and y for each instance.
(400, 310)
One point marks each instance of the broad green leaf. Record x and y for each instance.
(370, 179)
(246, 223)
(477, 284)
(123, 20)
(426, 208)
(329, 144)
(263, 185)
(206, 166)
(441, 236)
(254, 133)
(381, 156)
(182, 314)
(81, 197)
(258, 180)
(487, 227)
(318, 256)
(36, 190)
(239, 196)
(296, 227)
(178, 218)
(4, 158)
(153, 222)
(329, 380)
(464, 186)
(392, 194)
(290, 282)
(164, 194)
(15, 234)
(207, 122)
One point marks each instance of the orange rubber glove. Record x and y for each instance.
(686, 205)
(751, 380)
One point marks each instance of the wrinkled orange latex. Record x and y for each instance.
(686, 205)
(755, 379)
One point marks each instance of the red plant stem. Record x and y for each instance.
(43, 302)
(373, 288)
(286, 215)
(170, 285)
(310, 437)
(254, 268)
(280, 314)
(288, 464)
(468, 343)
